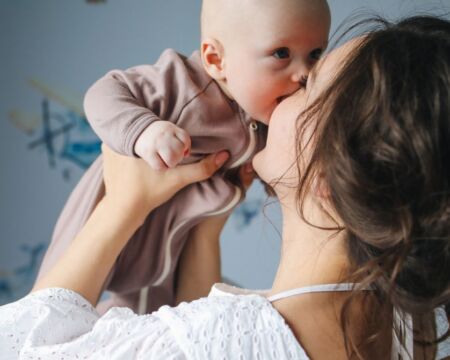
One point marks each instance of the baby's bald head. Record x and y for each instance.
(260, 51)
(218, 16)
(226, 19)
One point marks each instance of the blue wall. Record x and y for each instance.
(52, 50)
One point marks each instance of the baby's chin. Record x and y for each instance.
(263, 117)
(265, 120)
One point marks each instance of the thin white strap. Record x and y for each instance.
(402, 320)
(314, 289)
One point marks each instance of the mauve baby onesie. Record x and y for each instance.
(119, 107)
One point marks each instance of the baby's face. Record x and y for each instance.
(271, 53)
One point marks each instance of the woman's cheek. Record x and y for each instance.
(257, 162)
(264, 164)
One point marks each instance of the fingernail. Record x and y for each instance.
(221, 158)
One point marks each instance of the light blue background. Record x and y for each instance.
(68, 45)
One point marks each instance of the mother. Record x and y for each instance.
(362, 175)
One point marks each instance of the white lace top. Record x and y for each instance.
(60, 324)
(231, 323)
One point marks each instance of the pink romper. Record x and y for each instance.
(119, 107)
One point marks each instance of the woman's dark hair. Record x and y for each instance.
(382, 147)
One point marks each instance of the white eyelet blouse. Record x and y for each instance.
(231, 323)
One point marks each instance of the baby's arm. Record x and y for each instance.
(163, 145)
(125, 109)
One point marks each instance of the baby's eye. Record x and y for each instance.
(316, 54)
(282, 53)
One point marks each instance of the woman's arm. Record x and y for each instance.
(89, 258)
(133, 189)
(199, 265)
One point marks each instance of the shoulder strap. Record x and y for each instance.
(314, 289)
(402, 320)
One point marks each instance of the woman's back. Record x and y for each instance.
(231, 323)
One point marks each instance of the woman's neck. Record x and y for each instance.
(309, 255)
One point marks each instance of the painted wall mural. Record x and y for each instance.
(246, 212)
(16, 282)
(60, 130)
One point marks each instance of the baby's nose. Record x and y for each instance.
(299, 77)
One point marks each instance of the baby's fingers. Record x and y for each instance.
(172, 153)
(185, 140)
(155, 161)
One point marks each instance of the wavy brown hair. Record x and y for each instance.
(382, 147)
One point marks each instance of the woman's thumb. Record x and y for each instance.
(220, 158)
(201, 170)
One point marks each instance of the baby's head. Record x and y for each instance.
(260, 51)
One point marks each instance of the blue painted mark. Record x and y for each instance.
(66, 137)
(6, 291)
(35, 252)
(246, 212)
(82, 153)
(19, 281)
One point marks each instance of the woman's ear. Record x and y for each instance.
(212, 53)
(320, 188)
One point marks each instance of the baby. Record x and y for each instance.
(253, 54)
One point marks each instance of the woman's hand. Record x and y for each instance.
(132, 190)
(132, 185)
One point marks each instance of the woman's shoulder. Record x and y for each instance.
(229, 324)
(231, 321)
(52, 322)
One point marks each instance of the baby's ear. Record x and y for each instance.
(212, 54)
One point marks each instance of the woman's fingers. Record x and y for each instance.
(202, 170)
(132, 183)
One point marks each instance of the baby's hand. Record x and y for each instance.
(163, 145)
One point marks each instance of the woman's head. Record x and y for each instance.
(380, 146)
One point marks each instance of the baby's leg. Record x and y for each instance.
(199, 265)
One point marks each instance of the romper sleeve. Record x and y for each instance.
(59, 323)
(122, 104)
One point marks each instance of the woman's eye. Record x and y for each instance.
(281, 53)
(316, 54)
(304, 81)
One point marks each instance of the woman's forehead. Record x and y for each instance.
(328, 66)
